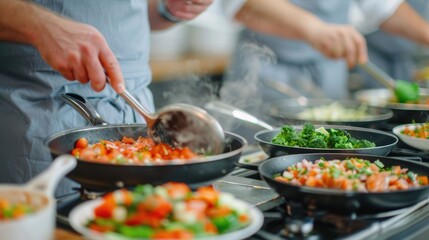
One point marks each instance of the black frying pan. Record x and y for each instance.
(384, 142)
(104, 176)
(288, 111)
(338, 200)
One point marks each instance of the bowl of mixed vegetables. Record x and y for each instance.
(168, 211)
(309, 138)
(415, 135)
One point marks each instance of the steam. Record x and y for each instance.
(240, 86)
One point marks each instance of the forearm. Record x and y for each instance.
(156, 21)
(407, 23)
(20, 20)
(277, 17)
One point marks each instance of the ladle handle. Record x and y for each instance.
(48, 180)
(148, 117)
(235, 112)
(379, 75)
(85, 108)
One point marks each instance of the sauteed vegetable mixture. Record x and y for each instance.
(419, 131)
(169, 211)
(9, 211)
(129, 151)
(351, 174)
(319, 138)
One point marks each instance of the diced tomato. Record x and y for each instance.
(128, 140)
(81, 143)
(177, 190)
(155, 205)
(218, 211)
(174, 234)
(210, 228)
(105, 210)
(187, 153)
(208, 194)
(144, 218)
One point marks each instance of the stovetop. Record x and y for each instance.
(288, 220)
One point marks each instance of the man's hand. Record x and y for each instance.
(79, 52)
(187, 9)
(338, 41)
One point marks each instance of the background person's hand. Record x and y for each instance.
(339, 41)
(187, 9)
(79, 52)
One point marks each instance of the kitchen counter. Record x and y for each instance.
(63, 234)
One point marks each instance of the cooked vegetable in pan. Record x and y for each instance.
(169, 211)
(310, 137)
(129, 151)
(334, 112)
(419, 131)
(9, 211)
(351, 174)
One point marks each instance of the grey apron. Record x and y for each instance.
(391, 53)
(30, 107)
(259, 56)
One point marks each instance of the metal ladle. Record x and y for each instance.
(403, 90)
(182, 125)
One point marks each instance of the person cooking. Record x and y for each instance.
(264, 52)
(393, 54)
(45, 43)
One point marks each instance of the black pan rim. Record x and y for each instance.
(213, 158)
(338, 192)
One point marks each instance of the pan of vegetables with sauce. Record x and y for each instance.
(121, 155)
(309, 138)
(345, 182)
(327, 111)
(403, 113)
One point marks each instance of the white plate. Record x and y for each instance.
(419, 143)
(82, 213)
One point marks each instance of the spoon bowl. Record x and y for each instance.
(182, 125)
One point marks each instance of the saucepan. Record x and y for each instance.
(39, 223)
(106, 176)
(342, 200)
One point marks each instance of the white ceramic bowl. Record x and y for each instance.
(419, 143)
(40, 224)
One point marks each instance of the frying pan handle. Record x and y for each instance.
(84, 107)
(48, 180)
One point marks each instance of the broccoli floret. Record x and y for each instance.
(308, 131)
(344, 145)
(363, 143)
(287, 134)
(317, 141)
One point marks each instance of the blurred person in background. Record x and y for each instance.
(309, 45)
(393, 54)
(45, 43)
